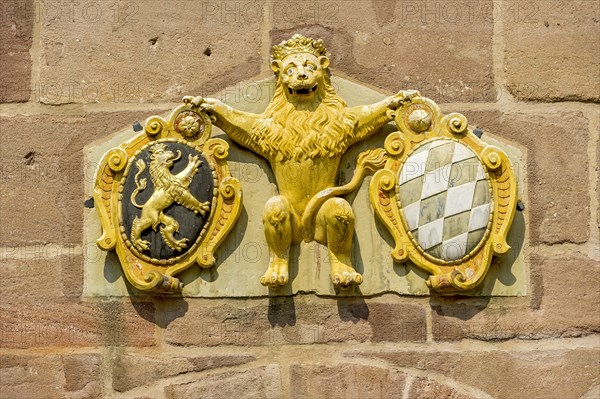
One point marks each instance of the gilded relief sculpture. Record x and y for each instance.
(447, 198)
(303, 134)
(166, 199)
(168, 188)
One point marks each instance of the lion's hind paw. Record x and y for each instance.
(276, 275)
(179, 245)
(142, 245)
(274, 280)
(346, 279)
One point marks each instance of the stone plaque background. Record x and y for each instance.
(243, 256)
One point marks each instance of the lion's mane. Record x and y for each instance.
(284, 132)
(162, 177)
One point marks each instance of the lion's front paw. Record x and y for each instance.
(403, 97)
(194, 162)
(195, 101)
(408, 95)
(203, 208)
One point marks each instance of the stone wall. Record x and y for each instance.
(75, 72)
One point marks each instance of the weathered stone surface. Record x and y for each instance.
(17, 69)
(552, 49)
(61, 324)
(16, 31)
(345, 381)
(571, 293)
(50, 376)
(42, 271)
(566, 297)
(82, 370)
(16, 26)
(442, 49)
(592, 393)
(43, 175)
(557, 169)
(522, 373)
(146, 51)
(264, 382)
(296, 320)
(132, 371)
(31, 273)
(72, 273)
(31, 376)
(598, 186)
(424, 388)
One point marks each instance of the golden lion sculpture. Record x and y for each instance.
(168, 188)
(303, 134)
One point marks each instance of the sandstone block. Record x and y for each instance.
(50, 376)
(263, 382)
(567, 299)
(443, 49)
(42, 174)
(68, 324)
(16, 31)
(521, 371)
(345, 381)
(293, 321)
(552, 49)
(132, 371)
(424, 388)
(81, 371)
(145, 51)
(31, 273)
(558, 200)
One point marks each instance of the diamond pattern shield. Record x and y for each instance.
(445, 198)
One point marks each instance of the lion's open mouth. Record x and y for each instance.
(302, 91)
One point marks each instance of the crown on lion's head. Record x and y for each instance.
(158, 148)
(298, 44)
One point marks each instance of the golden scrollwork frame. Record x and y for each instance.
(420, 121)
(186, 126)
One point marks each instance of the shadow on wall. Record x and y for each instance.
(458, 307)
(167, 310)
(353, 309)
(282, 311)
(167, 307)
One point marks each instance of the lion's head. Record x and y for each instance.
(161, 161)
(302, 77)
(160, 155)
(306, 118)
(301, 66)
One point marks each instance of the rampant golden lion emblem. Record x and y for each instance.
(304, 132)
(168, 188)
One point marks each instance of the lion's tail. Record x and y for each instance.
(140, 184)
(367, 162)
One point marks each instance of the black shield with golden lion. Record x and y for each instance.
(166, 200)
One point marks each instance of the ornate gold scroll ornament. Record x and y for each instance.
(166, 199)
(447, 198)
